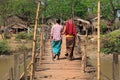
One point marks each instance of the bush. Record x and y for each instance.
(29, 36)
(4, 48)
(7, 36)
(111, 43)
(24, 36)
(22, 48)
(103, 27)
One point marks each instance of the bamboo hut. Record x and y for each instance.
(16, 24)
(83, 26)
(94, 23)
(16, 27)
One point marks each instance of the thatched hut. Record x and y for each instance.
(16, 19)
(16, 27)
(83, 26)
(106, 25)
(16, 24)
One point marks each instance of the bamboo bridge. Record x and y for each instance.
(42, 67)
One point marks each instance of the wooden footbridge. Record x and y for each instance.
(47, 69)
(62, 69)
(42, 67)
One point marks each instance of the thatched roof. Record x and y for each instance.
(81, 20)
(82, 23)
(96, 18)
(15, 19)
(17, 26)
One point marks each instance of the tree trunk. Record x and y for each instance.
(72, 9)
(115, 67)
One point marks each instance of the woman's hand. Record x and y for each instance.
(51, 39)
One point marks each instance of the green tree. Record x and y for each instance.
(109, 7)
(62, 8)
(25, 8)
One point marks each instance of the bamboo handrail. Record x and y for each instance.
(34, 41)
(27, 70)
(98, 43)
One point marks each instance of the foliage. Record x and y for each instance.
(4, 48)
(111, 43)
(25, 8)
(22, 48)
(29, 36)
(23, 35)
(57, 8)
(62, 8)
(7, 36)
(103, 27)
(109, 7)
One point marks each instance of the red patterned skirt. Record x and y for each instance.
(70, 43)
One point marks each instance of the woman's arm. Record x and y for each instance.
(64, 29)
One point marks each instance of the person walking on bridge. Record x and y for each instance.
(70, 32)
(56, 38)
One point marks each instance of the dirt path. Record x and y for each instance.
(62, 69)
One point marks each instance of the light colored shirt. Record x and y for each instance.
(56, 32)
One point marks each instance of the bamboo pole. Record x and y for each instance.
(98, 43)
(34, 42)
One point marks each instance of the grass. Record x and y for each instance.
(115, 33)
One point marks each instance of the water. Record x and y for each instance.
(6, 63)
(106, 67)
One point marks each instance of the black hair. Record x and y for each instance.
(58, 21)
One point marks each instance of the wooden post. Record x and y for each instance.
(78, 45)
(16, 67)
(84, 59)
(11, 74)
(44, 39)
(41, 44)
(98, 43)
(25, 66)
(34, 42)
(2, 36)
(115, 67)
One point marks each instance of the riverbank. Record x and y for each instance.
(106, 59)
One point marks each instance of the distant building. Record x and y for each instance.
(16, 24)
(118, 13)
(83, 26)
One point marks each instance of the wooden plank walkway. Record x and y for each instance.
(62, 69)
